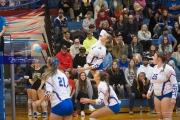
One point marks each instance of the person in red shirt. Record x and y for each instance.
(103, 18)
(72, 88)
(65, 58)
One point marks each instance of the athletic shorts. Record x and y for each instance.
(64, 108)
(115, 108)
(168, 95)
(99, 68)
(28, 86)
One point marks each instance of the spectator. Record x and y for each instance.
(65, 58)
(61, 35)
(46, 66)
(167, 21)
(115, 50)
(105, 8)
(138, 60)
(169, 57)
(103, 18)
(123, 63)
(178, 99)
(97, 6)
(176, 33)
(67, 6)
(117, 78)
(74, 49)
(121, 26)
(89, 41)
(19, 81)
(154, 25)
(135, 47)
(132, 29)
(83, 90)
(170, 38)
(92, 29)
(80, 58)
(59, 21)
(152, 6)
(76, 8)
(118, 11)
(140, 88)
(112, 6)
(174, 8)
(172, 64)
(105, 26)
(130, 75)
(150, 55)
(107, 61)
(86, 5)
(176, 55)
(139, 5)
(2, 30)
(88, 21)
(66, 40)
(146, 68)
(165, 46)
(145, 38)
(123, 47)
(128, 4)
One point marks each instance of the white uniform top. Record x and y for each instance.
(104, 97)
(96, 55)
(58, 86)
(163, 82)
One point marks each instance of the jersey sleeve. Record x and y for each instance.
(151, 88)
(172, 78)
(49, 86)
(99, 61)
(101, 94)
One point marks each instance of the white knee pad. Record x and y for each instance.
(93, 119)
(29, 101)
(167, 119)
(43, 103)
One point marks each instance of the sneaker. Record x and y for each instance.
(35, 115)
(152, 112)
(82, 113)
(75, 114)
(91, 108)
(44, 114)
(29, 113)
(131, 113)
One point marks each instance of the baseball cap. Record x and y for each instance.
(64, 25)
(64, 47)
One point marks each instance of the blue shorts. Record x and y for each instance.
(168, 95)
(28, 86)
(64, 108)
(99, 68)
(116, 108)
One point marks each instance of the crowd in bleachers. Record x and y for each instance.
(134, 52)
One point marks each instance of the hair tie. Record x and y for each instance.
(55, 62)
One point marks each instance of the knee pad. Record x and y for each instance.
(29, 101)
(43, 103)
(167, 119)
(93, 119)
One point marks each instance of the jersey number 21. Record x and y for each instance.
(62, 82)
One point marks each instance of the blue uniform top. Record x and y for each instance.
(2, 23)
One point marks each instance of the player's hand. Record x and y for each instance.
(80, 70)
(143, 95)
(148, 95)
(119, 85)
(37, 102)
(173, 101)
(39, 89)
(84, 100)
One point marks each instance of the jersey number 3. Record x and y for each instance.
(62, 82)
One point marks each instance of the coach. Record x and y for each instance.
(2, 30)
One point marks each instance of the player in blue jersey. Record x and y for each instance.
(165, 87)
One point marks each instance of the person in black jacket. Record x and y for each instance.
(140, 88)
(67, 6)
(135, 47)
(80, 58)
(176, 33)
(117, 78)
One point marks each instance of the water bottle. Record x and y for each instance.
(77, 18)
(140, 109)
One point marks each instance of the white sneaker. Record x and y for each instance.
(29, 112)
(91, 108)
(82, 113)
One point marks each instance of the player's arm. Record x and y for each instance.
(172, 78)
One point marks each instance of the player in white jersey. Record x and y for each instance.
(106, 95)
(97, 53)
(58, 91)
(165, 87)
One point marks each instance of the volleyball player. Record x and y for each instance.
(58, 91)
(165, 87)
(106, 96)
